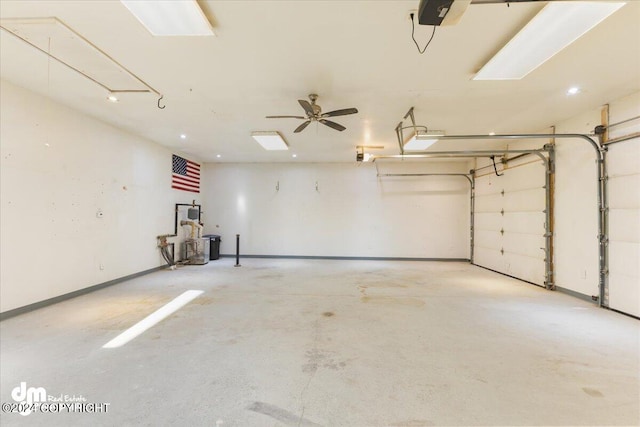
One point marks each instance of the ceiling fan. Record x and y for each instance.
(315, 114)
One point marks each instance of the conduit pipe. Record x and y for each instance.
(194, 226)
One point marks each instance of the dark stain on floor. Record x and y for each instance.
(592, 392)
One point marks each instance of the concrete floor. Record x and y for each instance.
(331, 343)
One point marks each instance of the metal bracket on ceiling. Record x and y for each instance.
(413, 126)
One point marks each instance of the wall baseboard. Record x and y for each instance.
(347, 258)
(40, 304)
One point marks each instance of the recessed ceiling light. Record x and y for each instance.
(270, 140)
(556, 26)
(294, 155)
(218, 155)
(183, 136)
(112, 98)
(573, 91)
(170, 17)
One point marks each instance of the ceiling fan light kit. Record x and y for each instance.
(314, 114)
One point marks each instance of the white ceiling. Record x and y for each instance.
(269, 54)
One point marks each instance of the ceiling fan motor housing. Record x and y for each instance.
(316, 108)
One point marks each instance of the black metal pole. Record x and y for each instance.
(237, 251)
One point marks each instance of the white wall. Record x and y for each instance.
(353, 213)
(52, 242)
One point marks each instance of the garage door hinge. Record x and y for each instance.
(502, 212)
(502, 231)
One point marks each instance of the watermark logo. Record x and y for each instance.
(30, 396)
(35, 399)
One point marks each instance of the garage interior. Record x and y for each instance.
(433, 241)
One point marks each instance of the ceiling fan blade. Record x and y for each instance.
(333, 125)
(302, 126)
(343, 112)
(285, 117)
(307, 107)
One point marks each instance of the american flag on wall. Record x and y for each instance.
(186, 175)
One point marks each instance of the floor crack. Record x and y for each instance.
(313, 370)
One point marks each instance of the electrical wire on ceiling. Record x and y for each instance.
(413, 29)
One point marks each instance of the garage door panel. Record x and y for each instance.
(624, 293)
(488, 239)
(489, 221)
(525, 268)
(531, 175)
(524, 222)
(621, 194)
(524, 244)
(487, 185)
(623, 187)
(491, 259)
(524, 201)
(624, 158)
(487, 203)
(624, 225)
(623, 257)
(520, 194)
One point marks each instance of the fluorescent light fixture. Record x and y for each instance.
(183, 136)
(153, 319)
(270, 140)
(170, 17)
(558, 24)
(422, 140)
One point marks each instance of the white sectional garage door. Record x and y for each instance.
(510, 222)
(623, 164)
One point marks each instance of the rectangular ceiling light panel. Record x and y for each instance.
(421, 141)
(270, 140)
(556, 26)
(170, 17)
